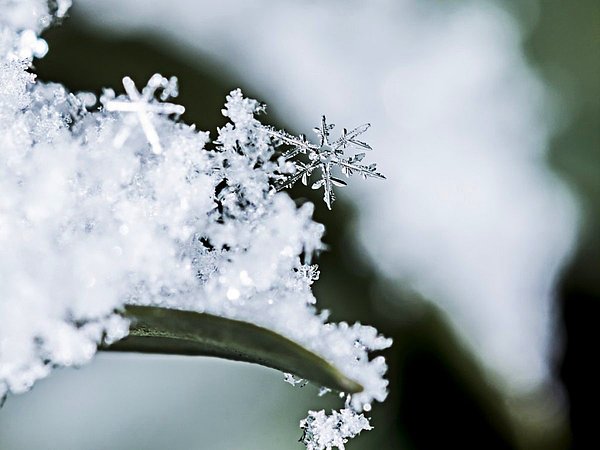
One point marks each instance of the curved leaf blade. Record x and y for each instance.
(176, 332)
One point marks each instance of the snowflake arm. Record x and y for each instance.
(303, 172)
(349, 138)
(349, 167)
(299, 144)
(323, 132)
(327, 182)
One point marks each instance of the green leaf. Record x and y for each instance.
(176, 332)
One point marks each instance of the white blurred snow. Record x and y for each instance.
(470, 216)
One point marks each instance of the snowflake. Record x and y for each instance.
(324, 156)
(144, 106)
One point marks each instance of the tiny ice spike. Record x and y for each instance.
(324, 156)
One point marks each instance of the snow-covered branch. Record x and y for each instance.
(113, 201)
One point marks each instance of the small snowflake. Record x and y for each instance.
(144, 105)
(324, 156)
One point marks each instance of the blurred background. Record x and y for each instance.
(479, 255)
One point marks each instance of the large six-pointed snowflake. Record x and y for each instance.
(324, 156)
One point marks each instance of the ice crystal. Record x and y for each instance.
(90, 222)
(324, 432)
(294, 381)
(324, 156)
(144, 106)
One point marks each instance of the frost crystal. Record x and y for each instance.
(144, 106)
(90, 222)
(324, 156)
(324, 432)
(294, 381)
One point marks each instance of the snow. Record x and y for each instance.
(118, 202)
(324, 432)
